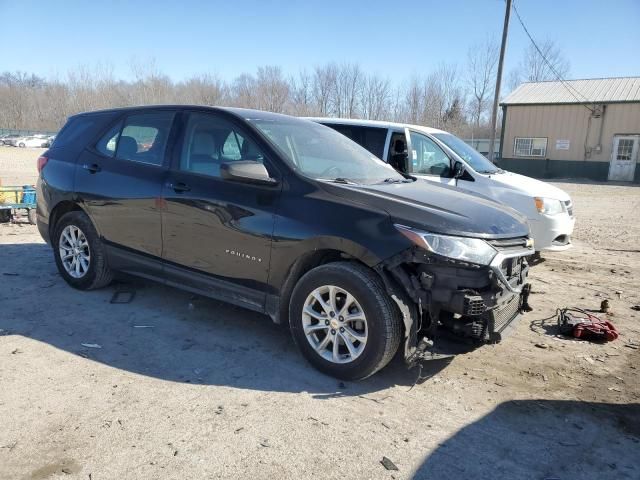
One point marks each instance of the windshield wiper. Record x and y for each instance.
(396, 180)
(346, 181)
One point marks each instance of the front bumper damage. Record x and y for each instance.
(441, 298)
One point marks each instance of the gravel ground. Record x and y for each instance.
(18, 165)
(185, 387)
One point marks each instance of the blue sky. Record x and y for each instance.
(393, 38)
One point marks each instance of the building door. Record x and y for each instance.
(624, 157)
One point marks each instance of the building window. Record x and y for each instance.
(625, 149)
(530, 147)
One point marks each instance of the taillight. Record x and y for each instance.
(42, 161)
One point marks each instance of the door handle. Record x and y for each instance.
(92, 168)
(179, 187)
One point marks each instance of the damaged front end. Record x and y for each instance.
(442, 298)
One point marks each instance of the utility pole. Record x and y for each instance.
(496, 96)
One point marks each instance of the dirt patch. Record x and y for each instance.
(18, 166)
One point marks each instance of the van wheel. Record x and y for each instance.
(343, 321)
(5, 215)
(79, 253)
(31, 216)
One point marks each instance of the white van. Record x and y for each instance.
(440, 157)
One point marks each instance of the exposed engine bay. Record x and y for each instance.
(439, 296)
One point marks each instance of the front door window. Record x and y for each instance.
(427, 158)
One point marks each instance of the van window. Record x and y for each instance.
(210, 141)
(371, 138)
(144, 137)
(427, 158)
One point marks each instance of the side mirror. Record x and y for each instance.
(458, 169)
(246, 171)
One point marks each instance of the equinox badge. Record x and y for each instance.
(243, 255)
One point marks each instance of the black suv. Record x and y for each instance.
(286, 217)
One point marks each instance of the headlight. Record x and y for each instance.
(471, 250)
(548, 206)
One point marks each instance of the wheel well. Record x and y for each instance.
(301, 266)
(59, 210)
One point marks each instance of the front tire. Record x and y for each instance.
(343, 321)
(80, 255)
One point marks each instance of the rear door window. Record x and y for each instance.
(143, 138)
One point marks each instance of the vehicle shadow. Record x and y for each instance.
(166, 333)
(542, 439)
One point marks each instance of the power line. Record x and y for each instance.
(570, 88)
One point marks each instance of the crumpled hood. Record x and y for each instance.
(438, 208)
(528, 185)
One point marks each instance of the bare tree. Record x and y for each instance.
(374, 97)
(302, 103)
(534, 68)
(414, 102)
(31, 102)
(272, 89)
(482, 62)
(324, 79)
(205, 89)
(244, 91)
(346, 90)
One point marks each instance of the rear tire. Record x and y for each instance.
(21, 145)
(75, 237)
(348, 291)
(5, 215)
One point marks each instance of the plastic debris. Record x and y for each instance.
(91, 345)
(388, 464)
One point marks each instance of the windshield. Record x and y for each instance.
(475, 159)
(322, 153)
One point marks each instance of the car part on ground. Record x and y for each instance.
(577, 323)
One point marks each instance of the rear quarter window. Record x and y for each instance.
(80, 129)
(72, 130)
